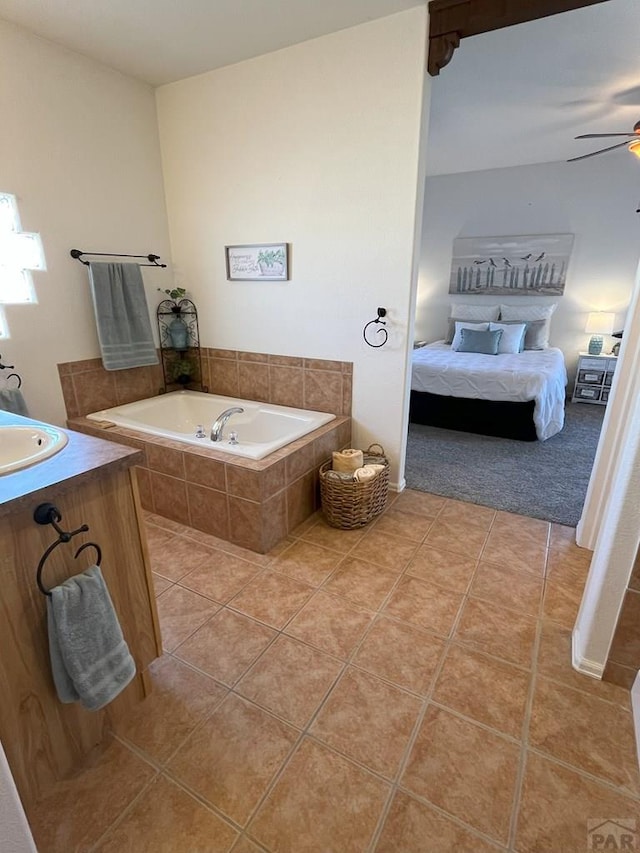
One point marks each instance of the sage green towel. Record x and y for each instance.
(122, 316)
(11, 400)
(90, 659)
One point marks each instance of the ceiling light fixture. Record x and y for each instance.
(634, 147)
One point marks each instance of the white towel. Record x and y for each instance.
(346, 461)
(367, 472)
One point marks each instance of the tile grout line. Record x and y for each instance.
(599, 780)
(522, 760)
(123, 814)
(306, 730)
(448, 642)
(416, 728)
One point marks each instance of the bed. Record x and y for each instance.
(519, 395)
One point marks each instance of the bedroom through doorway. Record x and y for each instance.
(498, 171)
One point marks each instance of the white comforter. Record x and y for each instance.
(529, 375)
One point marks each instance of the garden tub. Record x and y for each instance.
(261, 429)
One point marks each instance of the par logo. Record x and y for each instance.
(612, 836)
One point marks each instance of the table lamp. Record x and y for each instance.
(599, 323)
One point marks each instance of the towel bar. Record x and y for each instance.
(77, 254)
(47, 513)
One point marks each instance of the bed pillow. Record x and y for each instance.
(470, 314)
(473, 340)
(535, 335)
(460, 324)
(474, 313)
(524, 313)
(512, 340)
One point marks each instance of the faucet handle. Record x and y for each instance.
(233, 437)
(200, 433)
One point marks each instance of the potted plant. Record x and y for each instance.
(175, 294)
(182, 371)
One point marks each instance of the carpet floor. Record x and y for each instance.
(545, 479)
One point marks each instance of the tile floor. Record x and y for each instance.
(405, 688)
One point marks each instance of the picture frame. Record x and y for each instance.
(516, 265)
(257, 262)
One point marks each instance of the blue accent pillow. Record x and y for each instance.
(487, 343)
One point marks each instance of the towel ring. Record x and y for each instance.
(43, 560)
(11, 376)
(90, 545)
(382, 312)
(47, 513)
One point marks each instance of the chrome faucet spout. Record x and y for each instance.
(221, 420)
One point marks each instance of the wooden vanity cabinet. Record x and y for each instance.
(45, 740)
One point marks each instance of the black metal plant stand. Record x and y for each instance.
(180, 345)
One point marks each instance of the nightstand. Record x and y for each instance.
(593, 379)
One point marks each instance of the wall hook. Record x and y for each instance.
(382, 312)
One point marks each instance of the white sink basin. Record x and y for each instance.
(21, 446)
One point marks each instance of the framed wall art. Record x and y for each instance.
(520, 265)
(258, 262)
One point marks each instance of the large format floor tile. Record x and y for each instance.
(290, 679)
(414, 827)
(102, 788)
(331, 624)
(226, 645)
(486, 689)
(497, 631)
(368, 720)
(322, 802)
(465, 770)
(400, 653)
(231, 759)
(164, 813)
(576, 729)
(181, 698)
(402, 688)
(560, 806)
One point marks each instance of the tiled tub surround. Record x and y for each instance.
(302, 383)
(252, 503)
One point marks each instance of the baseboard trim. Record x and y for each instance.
(399, 486)
(592, 668)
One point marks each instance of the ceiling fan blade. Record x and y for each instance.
(601, 151)
(603, 135)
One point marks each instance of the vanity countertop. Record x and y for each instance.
(82, 459)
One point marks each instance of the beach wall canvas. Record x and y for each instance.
(519, 265)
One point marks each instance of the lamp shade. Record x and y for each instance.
(600, 323)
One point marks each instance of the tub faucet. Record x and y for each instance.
(221, 420)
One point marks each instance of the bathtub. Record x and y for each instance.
(261, 428)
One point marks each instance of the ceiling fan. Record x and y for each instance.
(633, 146)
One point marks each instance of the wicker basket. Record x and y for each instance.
(349, 505)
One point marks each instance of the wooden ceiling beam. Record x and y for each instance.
(452, 20)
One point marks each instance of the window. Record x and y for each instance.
(20, 252)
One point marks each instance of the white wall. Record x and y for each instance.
(316, 145)
(609, 522)
(595, 200)
(79, 148)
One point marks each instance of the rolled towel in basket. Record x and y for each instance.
(367, 472)
(347, 461)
